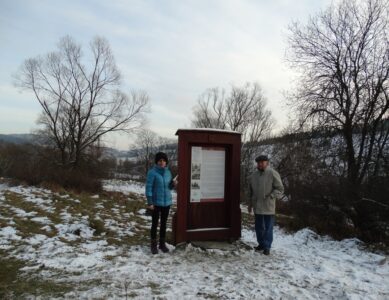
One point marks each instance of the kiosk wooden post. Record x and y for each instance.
(208, 193)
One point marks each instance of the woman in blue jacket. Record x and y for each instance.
(159, 184)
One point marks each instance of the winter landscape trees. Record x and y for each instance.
(342, 55)
(334, 158)
(342, 105)
(82, 100)
(81, 97)
(73, 217)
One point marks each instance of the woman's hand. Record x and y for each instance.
(175, 181)
(151, 207)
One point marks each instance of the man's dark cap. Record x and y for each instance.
(161, 155)
(261, 158)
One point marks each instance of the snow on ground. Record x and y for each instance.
(302, 265)
(125, 187)
(128, 186)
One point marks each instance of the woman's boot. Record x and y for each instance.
(154, 249)
(162, 246)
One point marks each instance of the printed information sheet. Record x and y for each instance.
(207, 174)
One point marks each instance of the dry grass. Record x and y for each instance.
(15, 283)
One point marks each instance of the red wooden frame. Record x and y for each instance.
(208, 220)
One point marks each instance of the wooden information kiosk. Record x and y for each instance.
(208, 192)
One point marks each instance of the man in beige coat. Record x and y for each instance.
(265, 188)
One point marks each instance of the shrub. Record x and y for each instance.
(34, 164)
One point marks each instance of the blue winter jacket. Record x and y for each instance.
(158, 186)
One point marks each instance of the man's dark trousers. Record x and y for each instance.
(264, 230)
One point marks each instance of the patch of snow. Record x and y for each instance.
(5, 246)
(36, 239)
(74, 231)
(115, 211)
(124, 186)
(64, 196)
(37, 201)
(47, 228)
(43, 220)
(147, 218)
(99, 206)
(65, 216)
(22, 213)
(3, 186)
(9, 233)
(94, 245)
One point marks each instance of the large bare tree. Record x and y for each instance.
(241, 109)
(81, 97)
(342, 55)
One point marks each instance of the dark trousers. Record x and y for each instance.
(157, 212)
(264, 230)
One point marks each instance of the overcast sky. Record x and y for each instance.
(174, 50)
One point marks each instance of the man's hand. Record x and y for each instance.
(151, 207)
(249, 209)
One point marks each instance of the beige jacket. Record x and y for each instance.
(265, 188)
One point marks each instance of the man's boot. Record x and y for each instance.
(259, 248)
(154, 249)
(162, 246)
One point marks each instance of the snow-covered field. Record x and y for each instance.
(100, 250)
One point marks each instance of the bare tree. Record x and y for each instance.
(210, 110)
(148, 143)
(342, 55)
(145, 144)
(170, 147)
(80, 97)
(242, 109)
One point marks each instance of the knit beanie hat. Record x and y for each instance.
(261, 158)
(161, 155)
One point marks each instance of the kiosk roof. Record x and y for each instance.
(207, 129)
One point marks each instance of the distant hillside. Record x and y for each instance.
(22, 138)
(26, 138)
(111, 152)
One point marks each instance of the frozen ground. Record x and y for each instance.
(126, 187)
(112, 260)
